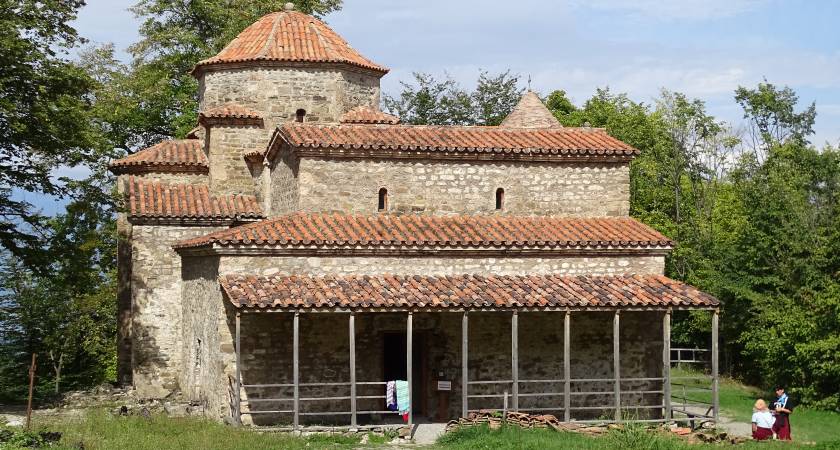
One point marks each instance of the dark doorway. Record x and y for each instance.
(393, 357)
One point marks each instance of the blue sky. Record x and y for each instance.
(704, 48)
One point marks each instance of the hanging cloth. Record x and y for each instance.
(403, 400)
(391, 396)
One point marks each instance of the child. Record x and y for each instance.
(762, 421)
(782, 408)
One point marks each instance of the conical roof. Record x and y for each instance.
(530, 112)
(290, 36)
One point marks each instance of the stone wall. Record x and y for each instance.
(426, 187)
(277, 93)
(360, 265)
(229, 173)
(283, 187)
(156, 307)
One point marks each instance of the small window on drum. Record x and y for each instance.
(500, 198)
(299, 115)
(382, 205)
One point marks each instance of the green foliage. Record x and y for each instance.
(44, 120)
(66, 314)
(429, 101)
(755, 223)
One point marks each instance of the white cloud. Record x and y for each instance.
(673, 9)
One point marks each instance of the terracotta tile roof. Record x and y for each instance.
(451, 142)
(155, 200)
(530, 112)
(290, 36)
(183, 155)
(461, 291)
(336, 231)
(365, 115)
(230, 110)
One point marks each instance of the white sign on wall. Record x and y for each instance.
(444, 386)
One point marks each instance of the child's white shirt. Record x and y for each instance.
(763, 419)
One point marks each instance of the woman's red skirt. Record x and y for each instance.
(762, 434)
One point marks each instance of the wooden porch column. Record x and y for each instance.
(715, 375)
(616, 367)
(465, 379)
(352, 326)
(408, 360)
(514, 359)
(567, 367)
(666, 365)
(296, 367)
(237, 394)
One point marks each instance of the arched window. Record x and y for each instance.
(500, 198)
(383, 199)
(299, 115)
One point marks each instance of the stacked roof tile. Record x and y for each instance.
(366, 115)
(155, 200)
(290, 36)
(336, 230)
(230, 111)
(452, 141)
(461, 291)
(186, 155)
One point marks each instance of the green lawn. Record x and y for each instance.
(736, 402)
(101, 430)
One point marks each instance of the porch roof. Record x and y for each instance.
(401, 292)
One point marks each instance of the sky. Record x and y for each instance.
(703, 48)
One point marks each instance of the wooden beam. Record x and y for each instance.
(715, 369)
(408, 360)
(514, 359)
(296, 367)
(666, 365)
(352, 327)
(237, 407)
(567, 367)
(617, 367)
(465, 379)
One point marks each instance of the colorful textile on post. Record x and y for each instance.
(391, 395)
(403, 400)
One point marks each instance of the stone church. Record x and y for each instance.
(301, 248)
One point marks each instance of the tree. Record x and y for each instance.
(772, 117)
(66, 314)
(43, 112)
(429, 101)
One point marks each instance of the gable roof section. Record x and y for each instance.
(462, 291)
(530, 112)
(449, 142)
(290, 36)
(322, 230)
(153, 200)
(367, 115)
(179, 156)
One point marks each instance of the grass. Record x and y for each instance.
(100, 430)
(736, 402)
(630, 438)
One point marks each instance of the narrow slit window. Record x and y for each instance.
(500, 198)
(383, 199)
(299, 115)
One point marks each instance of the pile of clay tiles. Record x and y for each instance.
(495, 419)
